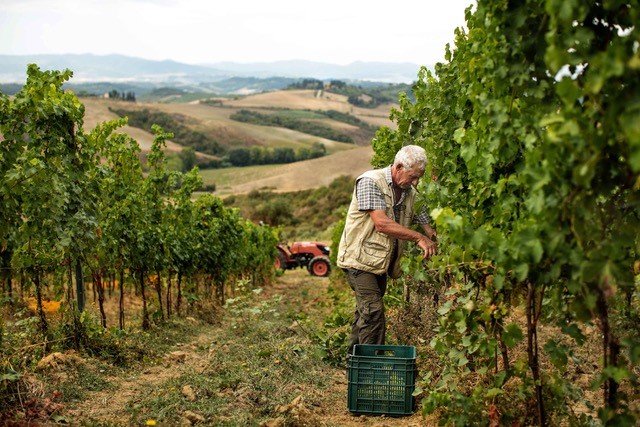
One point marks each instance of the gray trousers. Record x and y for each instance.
(369, 323)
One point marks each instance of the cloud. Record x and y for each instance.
(239, 30)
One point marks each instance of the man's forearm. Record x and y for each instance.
(393, 229)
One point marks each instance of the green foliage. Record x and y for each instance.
(333, 335)
(531, 129)
(163, 92)
(303, 214)
(373, 96)
(188, 158)
(260, 346)
(279, 155)
(307, 84)
(321, 114)
(336, 235)
(347, 118)
(304, 126)
(74, 196)
(128, 96)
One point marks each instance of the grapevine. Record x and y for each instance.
(531, 129)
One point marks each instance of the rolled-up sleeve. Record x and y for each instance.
(369, 196)
(422, 217)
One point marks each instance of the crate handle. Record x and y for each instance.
(391, 353)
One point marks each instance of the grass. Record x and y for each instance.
(183, 98)
(103, 356)
(84, 380)
(22, 341)
(178, 124)
(307, 100)
(257, 365)
(266, 362)
(290, 177)
(237, 175)
(297, 114)
(281, 137)
(306, 214)
(213, 122)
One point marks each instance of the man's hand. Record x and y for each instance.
(428, 247)
(430, 232)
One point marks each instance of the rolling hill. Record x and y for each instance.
(307, 105)
(306, 99)
(290, 177)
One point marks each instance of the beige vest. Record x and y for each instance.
(364, 248)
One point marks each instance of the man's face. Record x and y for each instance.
(405, 177)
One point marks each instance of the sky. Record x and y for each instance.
(208, 31)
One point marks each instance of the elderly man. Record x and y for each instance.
(376, 228)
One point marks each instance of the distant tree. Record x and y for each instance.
(303, 153)
(318, 149)
(275, 212)
(239, 157)
(188, 158)
(284, 155)
(307, 84)
(175, 123)
(267, 156)
(130, 96)
(313, 84)
(257, 155)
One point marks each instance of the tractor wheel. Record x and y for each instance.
(320, 266)
(280, 262)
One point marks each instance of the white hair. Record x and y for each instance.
(411, 157)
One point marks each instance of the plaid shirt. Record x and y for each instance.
(370, 198)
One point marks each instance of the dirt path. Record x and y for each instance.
(112, 405)
(260, 366)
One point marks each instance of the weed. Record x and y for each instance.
(257, 365)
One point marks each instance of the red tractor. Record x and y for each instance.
(312, 255)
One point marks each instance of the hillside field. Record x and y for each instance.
(290, 177)
(313, 100)
(214, 121)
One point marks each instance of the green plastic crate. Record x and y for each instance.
(382, 379)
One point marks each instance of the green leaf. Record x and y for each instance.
(634, 350)
(536, 249)
(616, 373)
(551, 119)
(574, 332)
(458, 135)
(521, 271)
(445, 308)
(568, 90)
(10, 376)
(512, 335)
(500, 378)
(557, 352)
(494, 392)
(60, 419)
(461, 325)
